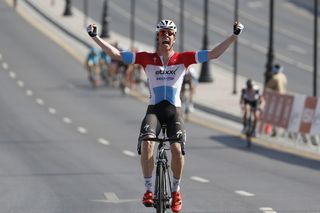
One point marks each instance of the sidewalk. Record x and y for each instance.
(215, 99)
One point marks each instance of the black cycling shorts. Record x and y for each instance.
(160, 114)
(253, 104)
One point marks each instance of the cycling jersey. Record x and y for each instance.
(165, 80)
(251, 97)
(105, 58)
(93, 58)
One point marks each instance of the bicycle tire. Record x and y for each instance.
(161, 204)
(249, 131)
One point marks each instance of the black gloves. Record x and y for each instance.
(237, 28)
(92, 30)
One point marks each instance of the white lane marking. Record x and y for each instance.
(103, 141)
(82, 130)
(129, 153)
(52, 110)
(39, 101)
(29, 92)
(66, 120)
(281, 30)
(20, 83)
(304, 66)
(265, 209)
(12, 75)
(297, 49)
(5, 66)
(111, 197)
(244, 193)
(199, 179)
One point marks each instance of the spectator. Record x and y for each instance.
(278, 81)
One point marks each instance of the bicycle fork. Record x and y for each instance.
(162, 185)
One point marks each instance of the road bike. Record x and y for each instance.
(162, 190)
(94, 75)
(186, 101)
(250, 127)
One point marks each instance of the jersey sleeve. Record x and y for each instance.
(202, 56)
(194, 57)
(141, 58)
(128, 57)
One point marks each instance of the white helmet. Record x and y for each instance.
(166, 24)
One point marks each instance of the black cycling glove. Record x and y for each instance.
(237, 28)
(92, 30)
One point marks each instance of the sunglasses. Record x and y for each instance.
(166, 32)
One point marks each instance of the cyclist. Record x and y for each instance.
(188, 88)
(92, 66)
(165, 69)
(250, 100)
(104, 61)
(116, 68)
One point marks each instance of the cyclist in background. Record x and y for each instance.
(188, 90)
(92, 66)
(250, 101)
(165, 70)
(114, 67)
(104, 61)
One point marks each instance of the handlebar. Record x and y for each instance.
(162, 140)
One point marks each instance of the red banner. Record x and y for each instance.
(286, 111)
(278, 108)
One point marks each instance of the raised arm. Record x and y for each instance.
(110, 50)
(223, 46)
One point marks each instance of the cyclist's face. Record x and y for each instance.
(166, 38)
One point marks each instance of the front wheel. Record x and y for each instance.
(249, 130)
(160, 191)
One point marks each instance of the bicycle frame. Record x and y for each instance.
(162, 190)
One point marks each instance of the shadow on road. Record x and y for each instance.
(239, 143)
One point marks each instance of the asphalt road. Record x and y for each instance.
(65, 147)
(293, 36)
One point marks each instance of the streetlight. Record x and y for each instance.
(159, 19)
(159, 10)
(315, 49)
(67, 10)
(85, 12)
(181, 43)
(270, 54)
(205, 75)
(132, 28)
(235, 49)
(105, 20)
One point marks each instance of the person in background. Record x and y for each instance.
(188, 88)
(104, 62)
(277, 83)
(92, 66)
